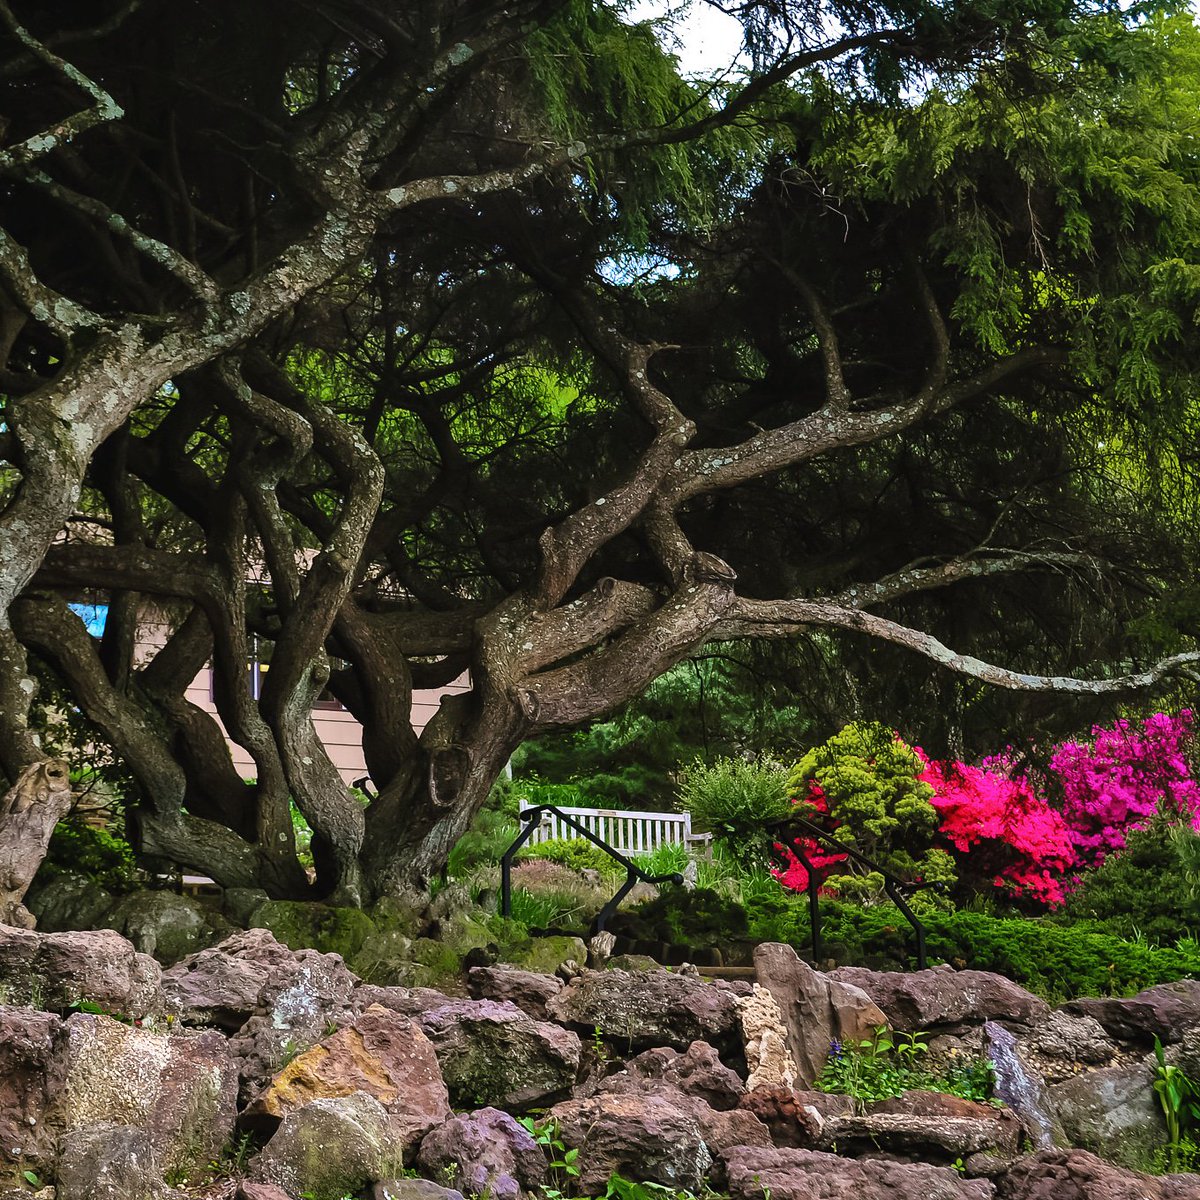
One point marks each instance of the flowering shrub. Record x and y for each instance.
(1003, 833)
(794, 874)
(1119, 782)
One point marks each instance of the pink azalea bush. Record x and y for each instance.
(794, 874)
(1004, 834)
(1128, 773)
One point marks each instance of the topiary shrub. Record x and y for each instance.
(864, 787)
(734, 799)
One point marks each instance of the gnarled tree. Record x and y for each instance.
(495, 347)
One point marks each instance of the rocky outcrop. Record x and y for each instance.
(643, 1137)
(795, 1119)
(33, 1071)
(485, 1153)
(332, 1147)
(57, 971)
(1165, 1011)
(1078, 1175)
(494, 1054)
(920, 1001)
(528, 990)
(382, 1054)
(817, 1009)
(644, 1009)
(753, 1173)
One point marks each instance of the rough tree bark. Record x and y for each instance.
(29, 810)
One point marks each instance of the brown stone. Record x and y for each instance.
(816, 1009)
(697, 1072)
(530, 991)
(918, 1001)
(1079, 1175)
(485, 1153)
(382, 1054)
(795, 1119)
(56, 971)
(643, 1137)
(33, 1070)
(1165, 1011)
(753, 1173)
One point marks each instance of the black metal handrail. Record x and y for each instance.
(892, 885)
(633, 873)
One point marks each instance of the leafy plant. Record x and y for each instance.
(734, 799)
(561, 1161)
(881, 1066)
(1179, 1099)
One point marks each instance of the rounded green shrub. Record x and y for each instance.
(734, 799)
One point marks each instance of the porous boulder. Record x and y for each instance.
(107, 1161)
(795, 1119)
(1080, 1175)
(332, 1147)
(180, 1090)
(382, 1054)
(494, 1054)
(530, 991)
(783, 1174)
(56, 971)
(484, 1153)
(765, 1041)
(817, 1009)
(1165, 1011)
(1113, 1111)
(644, 1009)
(1064, 1044)
(940, 996)
(642, 1137)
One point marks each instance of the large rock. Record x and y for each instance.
(179, 1089)
(1113, 1112)
(795, 1119)
(68, 902)
(698, 1072)
(33, 1070)
(816, 1009)
(165, 925)
(332, 1147)
(250, 974)
(1164, 1011)
(107, 1161)
(530, 991)
(413, 1189)
(307, 925)
(645, 1009)
(382, 1054)
(922, 1000)
(784, 1174)
(495, 1054)
(485, 1153)
(1079, 1175)
(57, 971)
(641, 1137)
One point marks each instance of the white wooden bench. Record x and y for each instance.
(626, 832)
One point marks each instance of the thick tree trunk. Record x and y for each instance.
(29, 811)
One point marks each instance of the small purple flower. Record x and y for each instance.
(835, 1049)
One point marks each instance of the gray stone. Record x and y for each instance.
(1113, 1112)
(697, 1072)
(413, 1189)
(1063, 1044)
(816, 1009)
(495, 1054)
(56, 971)
(238, 903)
(644, 1009)
(919, 1001)
(332, 1146)
(485, 1153)
(166, 926)
(107, 1161)
(68, 902)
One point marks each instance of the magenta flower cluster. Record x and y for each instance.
(1117, 783)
